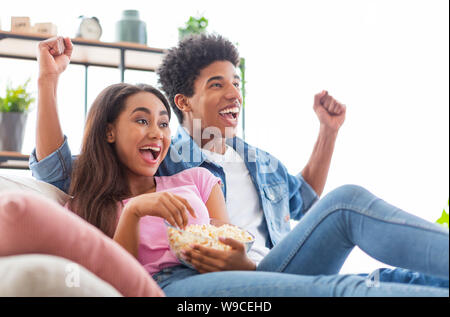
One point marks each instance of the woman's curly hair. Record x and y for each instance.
(183, 64)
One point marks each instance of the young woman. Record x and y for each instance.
(126, 137)
(115, 187)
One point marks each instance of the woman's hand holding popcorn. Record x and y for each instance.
(207, 260)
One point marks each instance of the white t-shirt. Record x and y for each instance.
(242, 200)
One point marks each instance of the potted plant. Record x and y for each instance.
(13, 116)
(193, 26)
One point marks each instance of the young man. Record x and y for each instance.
(200, 79)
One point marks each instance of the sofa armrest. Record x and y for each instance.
(31, 185)
(31, 223)
(37, 275)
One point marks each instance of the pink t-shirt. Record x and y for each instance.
(194, 185)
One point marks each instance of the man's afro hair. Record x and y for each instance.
(183, 64)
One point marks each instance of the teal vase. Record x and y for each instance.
(131, 29)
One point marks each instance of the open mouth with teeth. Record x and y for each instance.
(230, 113)
(150, 154)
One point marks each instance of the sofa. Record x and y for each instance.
(47, 250)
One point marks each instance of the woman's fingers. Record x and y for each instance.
(54, 55)
(60, 45)
(207, 252)
(202, 267)
(202, 260)
(57, 46)
(170, 219)
(68, 47)
(235, 244)
(187, 205)
(54, 45)
(180, 207)
(173, 211)
(168, 206)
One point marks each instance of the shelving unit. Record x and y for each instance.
(13, 160)
(123, 56)
(86, 52)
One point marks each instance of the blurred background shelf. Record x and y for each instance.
(13, 160)
(122, 55)
(86, 52)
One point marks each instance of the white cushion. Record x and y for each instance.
(34, 275)
(9, 182)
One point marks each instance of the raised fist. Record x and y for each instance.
(54, 55)
(331, 113)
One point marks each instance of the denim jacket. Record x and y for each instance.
(282, 196)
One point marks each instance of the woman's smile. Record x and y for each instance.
(150, 153)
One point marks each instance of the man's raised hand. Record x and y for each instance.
(331, 113)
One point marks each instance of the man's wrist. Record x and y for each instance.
(327, 131)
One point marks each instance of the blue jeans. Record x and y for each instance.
(398, 275)
(307, 261)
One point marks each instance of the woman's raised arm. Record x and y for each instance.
(53, 56)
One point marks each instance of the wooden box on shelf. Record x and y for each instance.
(21, 25)
(45, 29)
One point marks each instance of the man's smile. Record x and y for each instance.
(230, 114)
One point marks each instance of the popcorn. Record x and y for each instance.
(206, 235)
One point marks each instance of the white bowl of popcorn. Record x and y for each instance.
(206, 235)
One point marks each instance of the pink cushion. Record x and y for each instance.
(34, 224)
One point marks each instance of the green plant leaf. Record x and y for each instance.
(17, 99)
(444, 219)
(193, 26)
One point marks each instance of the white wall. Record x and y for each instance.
(386, 60)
